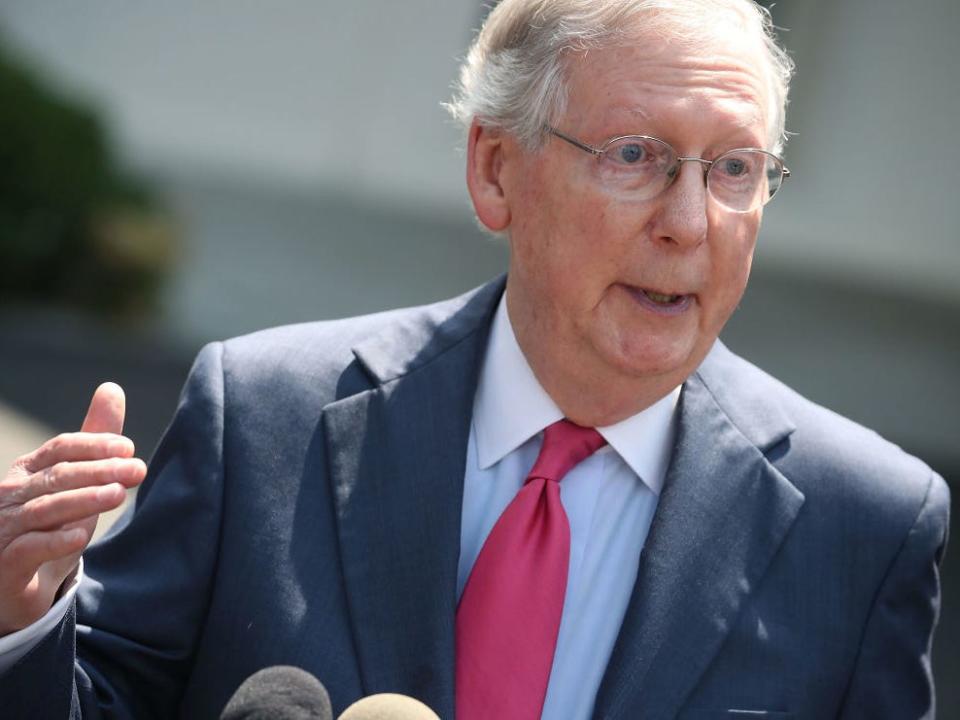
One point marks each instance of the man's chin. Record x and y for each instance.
(655, 361)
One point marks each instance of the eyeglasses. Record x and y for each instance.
(642, 167)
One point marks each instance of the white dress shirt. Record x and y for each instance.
(609, 499)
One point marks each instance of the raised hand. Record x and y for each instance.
(49, 504)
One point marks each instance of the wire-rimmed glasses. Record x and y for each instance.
(642, 167)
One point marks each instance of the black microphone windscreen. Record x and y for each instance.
(281, 692)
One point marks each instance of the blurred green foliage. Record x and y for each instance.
(74, 229)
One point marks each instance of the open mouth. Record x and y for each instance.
(662, 299)
(661, 302)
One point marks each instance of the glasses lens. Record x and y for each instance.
(744, 180)
(637, 165)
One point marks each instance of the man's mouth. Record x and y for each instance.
(662, 303)
(663, 299)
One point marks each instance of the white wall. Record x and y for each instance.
(329, 94)
(875, 197)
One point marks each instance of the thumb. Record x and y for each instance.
(106, 411)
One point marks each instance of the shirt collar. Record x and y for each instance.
(511, 406)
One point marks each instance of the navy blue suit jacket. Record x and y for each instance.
(304, 508)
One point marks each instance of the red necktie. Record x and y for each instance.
(509, 613)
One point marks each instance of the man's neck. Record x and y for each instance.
(597, 399)
(587, 391)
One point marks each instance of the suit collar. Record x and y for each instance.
(411, 340)
(396, 454)
(723, 514)
(747, 396)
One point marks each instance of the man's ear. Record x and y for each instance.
(484, 165)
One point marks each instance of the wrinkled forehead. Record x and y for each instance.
(710, 27)
(660, 52)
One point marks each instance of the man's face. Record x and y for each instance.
(584, 260)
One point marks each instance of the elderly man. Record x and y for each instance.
(556, 496)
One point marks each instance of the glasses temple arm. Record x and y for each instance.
(572, 141)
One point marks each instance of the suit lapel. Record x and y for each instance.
(723, 514)
(396, 459)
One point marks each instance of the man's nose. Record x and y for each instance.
(684, 206)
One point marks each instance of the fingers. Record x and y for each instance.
(49, 512)
(74, 475)
(73, 447)
(106, 411)
(23, 556)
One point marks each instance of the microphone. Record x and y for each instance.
(281, 692)
(388, 706)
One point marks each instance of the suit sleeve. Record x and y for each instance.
(125, 649)
(893, 676)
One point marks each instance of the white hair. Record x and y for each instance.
(514, 76)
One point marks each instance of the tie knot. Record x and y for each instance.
(565, 444)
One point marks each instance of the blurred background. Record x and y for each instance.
(173, 173)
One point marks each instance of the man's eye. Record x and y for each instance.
(631, 153)
(734, 167)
